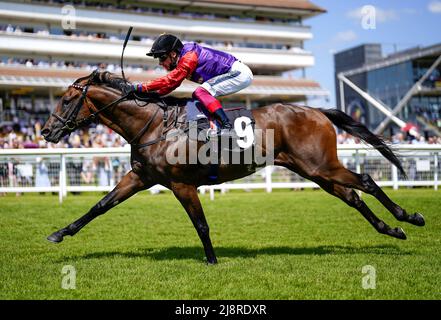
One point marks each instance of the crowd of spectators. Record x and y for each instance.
(145, 39)
(433, 80)
(133, 7)
(397, 138)
(429, 115)
(114, 68)
(27, 136)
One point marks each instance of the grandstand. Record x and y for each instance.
(400, 92)
(46, 45)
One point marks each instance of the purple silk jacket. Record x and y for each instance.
(211, 63)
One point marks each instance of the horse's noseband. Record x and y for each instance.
(77, 86)
(70, 123)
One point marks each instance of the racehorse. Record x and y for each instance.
(304, 142)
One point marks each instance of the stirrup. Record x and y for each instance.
(219, 133)
(212, 134)
(226, 132)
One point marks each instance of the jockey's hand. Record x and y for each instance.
(128, 89)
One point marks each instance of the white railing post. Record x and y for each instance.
(435, 175)
(60, 192)
(357, 161)
(63, 179)
(395, 177)
(211, 193)
(60, 181)
(268, 179)
(11, 175)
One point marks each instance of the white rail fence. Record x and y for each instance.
(83, 170)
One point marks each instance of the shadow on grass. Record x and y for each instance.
(196, 252)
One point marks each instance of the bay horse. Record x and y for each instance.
(304, 142)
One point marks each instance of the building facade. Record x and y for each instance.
(393, 92)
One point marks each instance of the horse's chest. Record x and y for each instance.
(143, 163)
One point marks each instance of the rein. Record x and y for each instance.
(145, 128)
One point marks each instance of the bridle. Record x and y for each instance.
(70, 123)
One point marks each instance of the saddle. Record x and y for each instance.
(240, 118)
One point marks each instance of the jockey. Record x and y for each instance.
(217, 72)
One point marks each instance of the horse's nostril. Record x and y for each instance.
(45, 132)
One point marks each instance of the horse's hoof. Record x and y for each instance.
(398, 233)
(417, 219)
(55, 237)
(211, 262)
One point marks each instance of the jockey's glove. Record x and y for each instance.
(128, 88)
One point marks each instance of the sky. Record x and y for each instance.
(399, 24)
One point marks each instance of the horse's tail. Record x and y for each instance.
(357, 129)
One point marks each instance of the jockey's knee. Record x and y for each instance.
(207, 100)
(202, 94)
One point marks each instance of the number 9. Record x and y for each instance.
(246, 133)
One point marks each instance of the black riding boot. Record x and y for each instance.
(226, 126)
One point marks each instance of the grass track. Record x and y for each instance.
(283, 245)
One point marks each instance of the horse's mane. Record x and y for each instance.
(109, 79)
(113, 81)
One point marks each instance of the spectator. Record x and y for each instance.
(42, 174)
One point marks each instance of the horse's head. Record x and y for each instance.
(71, 110)
(79, 106)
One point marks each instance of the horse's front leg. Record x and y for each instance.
(188, 197)
(130, 184)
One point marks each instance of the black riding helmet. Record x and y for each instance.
(165, 44)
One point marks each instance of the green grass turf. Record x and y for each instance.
(283, 245)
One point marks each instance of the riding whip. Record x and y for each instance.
(122, 54)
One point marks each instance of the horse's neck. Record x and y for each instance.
(127, 118)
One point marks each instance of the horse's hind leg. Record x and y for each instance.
(399, 213)
(352, 199)
(365, 183)
(130, 184)
(348, 195)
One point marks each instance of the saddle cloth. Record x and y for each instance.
(196, 112)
